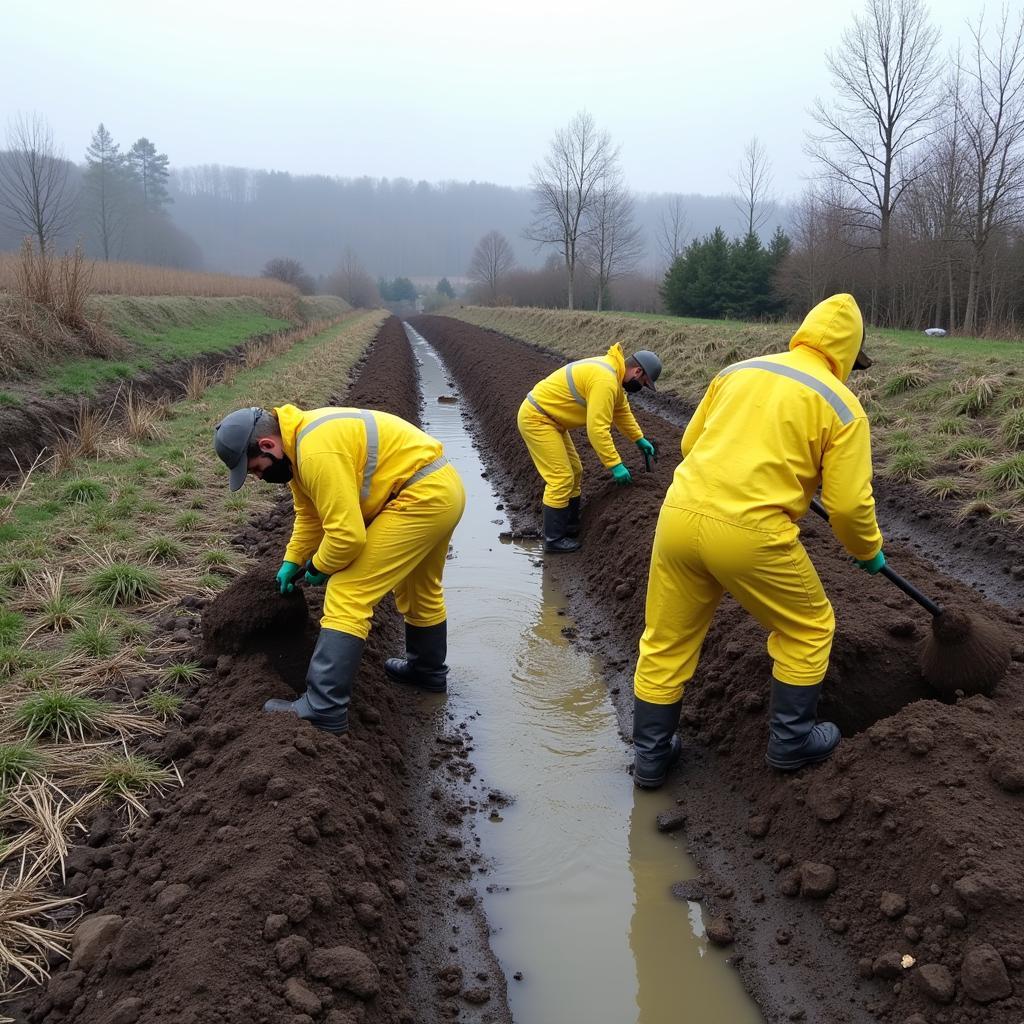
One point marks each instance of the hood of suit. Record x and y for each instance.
(617, 357)
(834, 329)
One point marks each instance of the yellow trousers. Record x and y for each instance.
(695, 560)
(553, 454)
(406, 548)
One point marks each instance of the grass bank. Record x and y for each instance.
(947, 414)
(94, 641)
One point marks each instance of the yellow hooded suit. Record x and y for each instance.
(768, 432)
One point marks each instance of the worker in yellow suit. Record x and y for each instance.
(376, 503)
(767, 433)
(589, 392)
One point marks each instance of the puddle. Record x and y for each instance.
(577, 897)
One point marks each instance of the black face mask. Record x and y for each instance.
(279, 471)
(632, 386)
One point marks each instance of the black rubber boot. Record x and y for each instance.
(656, 746)
(555, 540)
(332, 670)
(572, 524)
(795, 737)
(423, 665)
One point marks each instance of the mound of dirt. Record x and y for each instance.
(921, 803)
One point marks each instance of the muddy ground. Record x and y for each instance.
(905, 847)
(297, 876)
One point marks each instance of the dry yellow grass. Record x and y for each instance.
(140, 279)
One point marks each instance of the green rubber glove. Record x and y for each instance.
(286, 577)
(314, 577)
(649, 448)
(621, 475)
(872, 565)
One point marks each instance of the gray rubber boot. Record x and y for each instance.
(795, 737)
(572, 524)
(423, 665)
(656, 746)
(332, 671)
(555, 540)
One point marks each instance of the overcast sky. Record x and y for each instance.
(433, 90)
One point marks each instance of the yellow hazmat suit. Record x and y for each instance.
(766, 434)
(588, 391)
(376, 504)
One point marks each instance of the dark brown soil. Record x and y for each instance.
(919, 813)
(297, 876)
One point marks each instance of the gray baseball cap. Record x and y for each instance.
(650, 364)
(231, 440)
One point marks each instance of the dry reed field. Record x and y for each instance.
(139, 279)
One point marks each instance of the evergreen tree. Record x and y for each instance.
(106, 190)
(149, 169)
(444, 288)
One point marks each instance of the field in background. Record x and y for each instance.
(947, 414)
(141, 279)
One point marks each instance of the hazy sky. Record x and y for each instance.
(433, 90)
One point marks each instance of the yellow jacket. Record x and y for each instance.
(769, 430)
(347, 464)
(589, 391)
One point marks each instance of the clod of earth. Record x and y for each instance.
(983, 974)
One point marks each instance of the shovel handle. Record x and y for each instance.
(890, 574)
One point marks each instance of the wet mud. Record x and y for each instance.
(297, 876)
(885, 884)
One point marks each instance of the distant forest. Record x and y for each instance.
(396, 227)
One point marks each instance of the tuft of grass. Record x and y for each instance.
(952, 426)
(97, 639)
(900, 441)
(217, 558)
(181, 672)
(212, 581)
(238, 502)
(976, 394)
(1011, 429)
(186, 481)
(163, 549)
(196, 383)
(59, 714)
(188, 521)
(17, 572)
(942, 487)
(141, 418)
(969, 448)
(906, 379)
(1007, 474)
(163, 704)
(83, 492)
(60, 611)
(12, 625)
(130, 777)
(976, 507)
(18, 761)
(908, 465)
(121, 583)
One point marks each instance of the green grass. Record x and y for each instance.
(905, 380)
(1011, 429)
(908, 465)
(969, 448)
(163, 549)
(17, 572)
(163, 330)
(162, 703)
(60, 612)
(58, 714)
(184, 482)
(942, 487)
(10, 400)
(1007, 474)
(12, 625)
(98, 639)
(83, 492)
(14, 660)
(19, 760)
(976, 394)
(131, 776)
(187, 522)
(121, 583)
(182, 672)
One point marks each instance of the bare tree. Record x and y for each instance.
(492, 259)
(34, 190)
(565, 187)
(673, 230)
(753, 179)
(289, 271)
(353, 283)
(991, 110)
(613, 243)
(883, 74)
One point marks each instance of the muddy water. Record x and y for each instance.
(578, 896)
